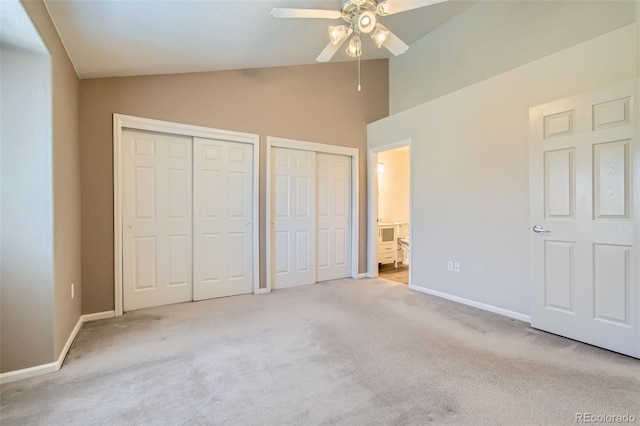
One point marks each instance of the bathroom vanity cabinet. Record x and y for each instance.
(387, 244)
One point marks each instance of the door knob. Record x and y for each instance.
(540, 230)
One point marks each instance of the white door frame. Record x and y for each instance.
(121, 121)
(273, 141)
(372, 185)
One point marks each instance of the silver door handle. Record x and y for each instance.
(540, 230)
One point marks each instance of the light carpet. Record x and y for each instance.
(344, 352)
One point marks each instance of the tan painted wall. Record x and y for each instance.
(66, 177)
(40, 314)
(317, 103)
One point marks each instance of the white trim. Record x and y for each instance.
(372, 204)
(68, 343)
(121, 121)
(473, 303)
(264, 290)
(364, 275)
(273, 141)
(98, 316)
(311, 146)
(25, 373)
(52, 367)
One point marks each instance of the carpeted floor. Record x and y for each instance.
(344, 352)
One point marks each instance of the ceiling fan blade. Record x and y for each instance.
(393, 44)
(396, 6)
(279, 12)
(331, 49)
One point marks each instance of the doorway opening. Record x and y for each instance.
(393, 252)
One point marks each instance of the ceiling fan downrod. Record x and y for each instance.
(359, 87)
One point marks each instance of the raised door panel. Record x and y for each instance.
(612, 180)
(559, 183)
(612, 283)
(559, 275)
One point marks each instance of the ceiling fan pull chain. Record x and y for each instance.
(359, 87)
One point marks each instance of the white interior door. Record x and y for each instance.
(293, 216)
(222, 229)
(334, 216)
(157, 219)
(584, 242)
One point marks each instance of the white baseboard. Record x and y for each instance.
(25, 373)
(67, 345)
(469, 302)
(264, 290)
(365, 275)
(98, 316)
(38, 370)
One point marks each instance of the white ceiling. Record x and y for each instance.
(124, 37)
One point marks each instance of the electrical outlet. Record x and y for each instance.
(73, 290)
(456, 267)
(449, 265)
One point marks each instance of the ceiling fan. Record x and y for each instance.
(361, 17)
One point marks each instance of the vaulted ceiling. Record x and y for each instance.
(118, 38)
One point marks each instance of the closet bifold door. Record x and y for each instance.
(157, 219)
(293, 215)
(222, 216)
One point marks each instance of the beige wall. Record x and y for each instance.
(471, 198)
(317, 103)
(66, 177)
(40, 320)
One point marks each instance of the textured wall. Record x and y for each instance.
(317, 103)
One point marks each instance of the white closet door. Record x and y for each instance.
(294, 217)
(157, 219)
(223, 205)
(334, 216)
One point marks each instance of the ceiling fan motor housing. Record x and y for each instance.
(352, 8)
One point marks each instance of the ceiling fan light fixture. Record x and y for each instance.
(358, 2)
(355, 47)
(379, 35)
(337, 33)
(366, 22)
